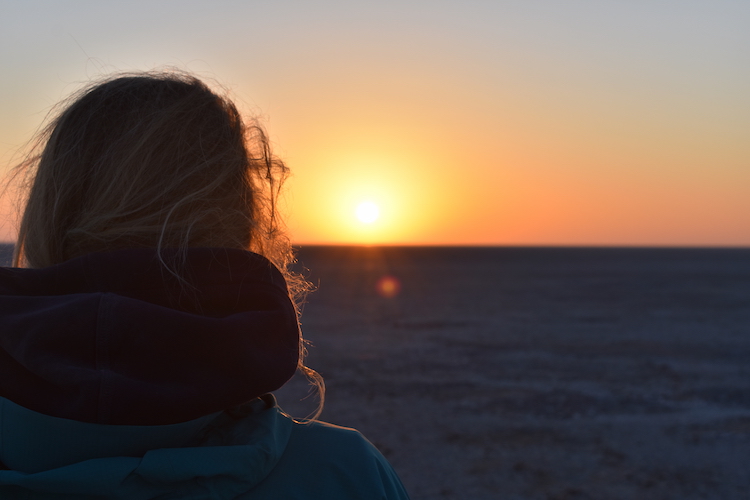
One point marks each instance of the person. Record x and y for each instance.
(150, 313)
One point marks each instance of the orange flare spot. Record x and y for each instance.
(388, 286)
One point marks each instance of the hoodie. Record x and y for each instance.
(121, 379)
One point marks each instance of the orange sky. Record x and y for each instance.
(523, 123)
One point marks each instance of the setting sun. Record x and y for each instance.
(370, 197)
(367, 212)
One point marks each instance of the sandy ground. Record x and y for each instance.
(620, 397)
(470, 418)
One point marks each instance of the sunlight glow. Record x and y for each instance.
(370, 199)
(367, 212)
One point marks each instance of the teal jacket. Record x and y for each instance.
(254, 451)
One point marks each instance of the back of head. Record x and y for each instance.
(150, 160)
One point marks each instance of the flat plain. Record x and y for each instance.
(539, 373)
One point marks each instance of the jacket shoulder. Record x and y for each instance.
(323, 460)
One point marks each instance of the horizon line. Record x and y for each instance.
(512, 245)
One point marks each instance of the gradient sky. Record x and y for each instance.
(468, 122)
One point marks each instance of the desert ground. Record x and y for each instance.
(603, 382)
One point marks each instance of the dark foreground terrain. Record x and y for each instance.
(540, 373)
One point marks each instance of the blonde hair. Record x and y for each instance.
(155, 160)
(150, 160)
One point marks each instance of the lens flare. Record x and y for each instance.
(388, 287)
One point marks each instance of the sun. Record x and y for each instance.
(367, 212)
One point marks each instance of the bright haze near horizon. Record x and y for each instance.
(531, 122)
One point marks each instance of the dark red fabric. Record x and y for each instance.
(115, 338)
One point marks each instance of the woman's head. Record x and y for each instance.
(155, 160)
(150, 160)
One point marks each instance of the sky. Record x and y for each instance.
(474, 122)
